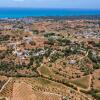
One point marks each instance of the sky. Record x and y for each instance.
(83, 4)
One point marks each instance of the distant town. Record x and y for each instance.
(50, 58)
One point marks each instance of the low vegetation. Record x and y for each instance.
(82, 82)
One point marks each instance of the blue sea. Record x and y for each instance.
(29, 12)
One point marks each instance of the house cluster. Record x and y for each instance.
(21, 54)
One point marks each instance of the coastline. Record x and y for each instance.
(84, 17)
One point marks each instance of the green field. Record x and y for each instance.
(82, 82)
(3, 99)
(45, 71)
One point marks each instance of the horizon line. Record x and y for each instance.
(52, 8)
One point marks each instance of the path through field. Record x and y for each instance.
(5, 84)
